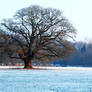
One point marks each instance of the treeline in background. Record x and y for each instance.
(81, 58)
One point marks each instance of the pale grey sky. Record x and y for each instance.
(79, 12)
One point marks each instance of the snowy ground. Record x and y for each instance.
(65, 80)
(49, 68)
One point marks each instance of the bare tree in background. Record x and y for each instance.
(37, 33)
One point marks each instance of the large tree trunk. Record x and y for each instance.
(28, 63)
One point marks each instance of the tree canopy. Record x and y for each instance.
(37, 33)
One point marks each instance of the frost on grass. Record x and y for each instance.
(45, 81)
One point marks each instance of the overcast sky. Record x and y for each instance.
(79, 12)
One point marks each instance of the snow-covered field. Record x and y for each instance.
(66, 80)
(49, 68)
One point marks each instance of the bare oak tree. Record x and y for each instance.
(37, 33)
